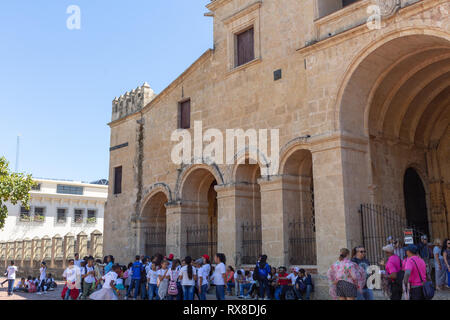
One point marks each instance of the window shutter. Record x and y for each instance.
(245, 47)
(185, 111)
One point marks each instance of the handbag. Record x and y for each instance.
(173, 289)
(427, 286)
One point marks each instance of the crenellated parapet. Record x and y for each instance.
(132, 102)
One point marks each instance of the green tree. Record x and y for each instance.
(14, 187)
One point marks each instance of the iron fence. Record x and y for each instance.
(379, 223)
(302, 242)
(201, 239)
(251, 242)
(155, 240)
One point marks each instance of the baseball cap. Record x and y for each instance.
(170, 256)
(205, 256)
(388, 248)
(411, 248)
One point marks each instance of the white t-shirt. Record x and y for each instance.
(70, 274)
(153, 276)
(186, 281)
(78, 263)
(292, 277)
(11, 270)
(89, 278)
(219, 271)
(43, 271)
(161, 273)
(203, 272)
(110, 276)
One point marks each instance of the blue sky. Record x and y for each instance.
(56, 84)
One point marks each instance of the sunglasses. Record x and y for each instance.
(362, 251)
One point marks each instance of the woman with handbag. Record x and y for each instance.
(415, 273)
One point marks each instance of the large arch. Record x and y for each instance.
(200, 210)
(397, 95)
(153, 223)
(298, 206)
(247, 208)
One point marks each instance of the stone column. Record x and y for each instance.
(36, 247)
(174, 237)
(46, 249)
(82, 247)
(96, 244)
(68, 248)
(57, 251)
(18, 254)
(3, 259)
(274, 223)
(340, 186)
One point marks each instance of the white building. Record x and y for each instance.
(57, 207)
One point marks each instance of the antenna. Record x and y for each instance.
(17, 153)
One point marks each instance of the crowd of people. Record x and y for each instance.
(159, 277)
(406, 272)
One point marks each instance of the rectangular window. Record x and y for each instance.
(184, 114)
(92, 216)
(61, 215)
(36, 187)
(24, 214)
(78, 216)
(118, 180)
(245, 47)
(66, 189)
(39, 214)
(348, 2)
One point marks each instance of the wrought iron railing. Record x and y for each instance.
(155, 240)
(201, 239)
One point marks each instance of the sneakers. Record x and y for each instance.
(39, 293)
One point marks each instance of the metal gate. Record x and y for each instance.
(379, 223)
(251, 243)
(201, 239)
(302, 242)
(155, 240)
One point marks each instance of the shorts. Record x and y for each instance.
(345, 289)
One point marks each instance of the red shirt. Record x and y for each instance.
(283, 282)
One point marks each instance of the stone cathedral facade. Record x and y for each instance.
(360, 94)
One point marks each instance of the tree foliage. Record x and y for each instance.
(14, 187)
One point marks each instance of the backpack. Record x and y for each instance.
(173, 289)
(400, 274)
(256, 273)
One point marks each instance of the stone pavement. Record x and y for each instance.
(56, 295)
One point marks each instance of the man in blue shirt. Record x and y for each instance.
(136, 270)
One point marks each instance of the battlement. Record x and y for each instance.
(132, 102)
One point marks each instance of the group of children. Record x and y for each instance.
(40, 285)
(166, 278)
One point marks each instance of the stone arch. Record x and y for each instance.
(341, 108)
(185, 171)
(298, 204)
(155, 188)
(396, 94)
(153, 222)
(199, 204)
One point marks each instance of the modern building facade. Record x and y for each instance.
(359, 91)
(58, 207)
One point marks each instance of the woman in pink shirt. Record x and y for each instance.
(415, 273)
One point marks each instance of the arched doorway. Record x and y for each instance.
(298, 206)
(153, 225)
(415, 201)
(199, 200)
(248, 211)
(397, 96)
